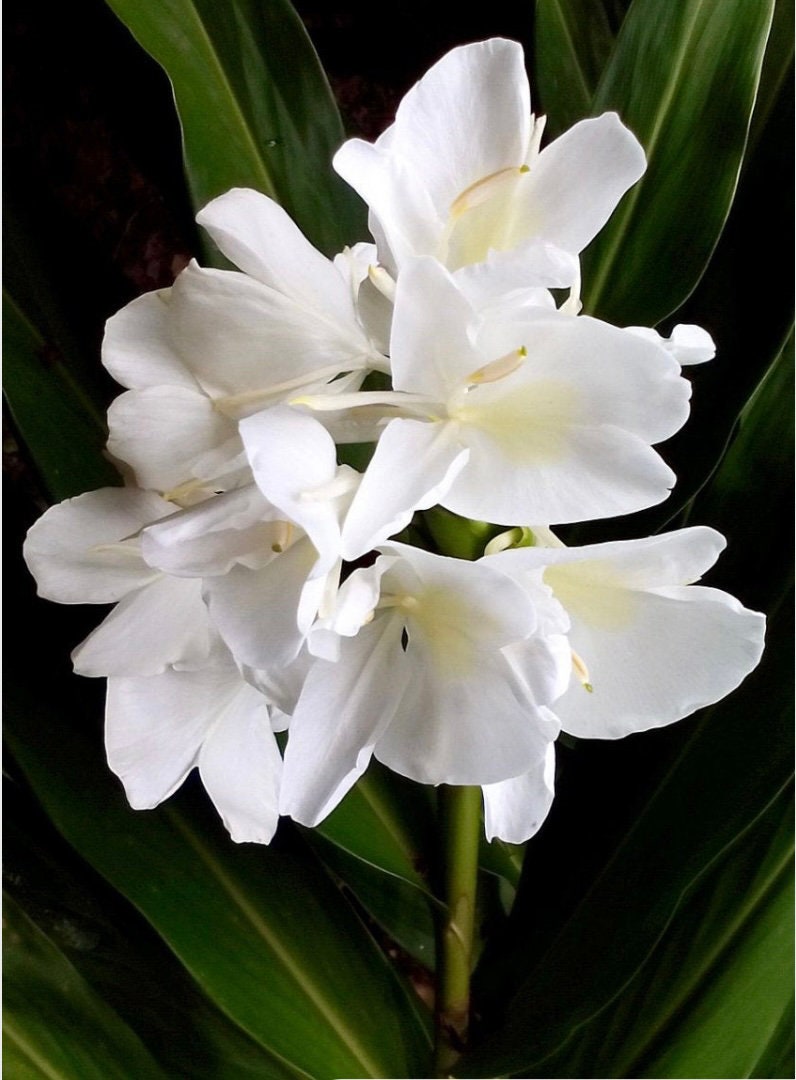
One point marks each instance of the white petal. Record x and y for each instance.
(256, 611)
(162, 624)
(155, 726)
(577, 181)
(687, 344)
(343, 708)
(240, 336)
(691, 344)
(464, 718)
(515, 809)
(413, 467)
(599, 473)
(76, 550)
(654, 657)
(162, 432)
(240, 766)
(209, 539)
(293, 458)
(431, 345)
(137, 348)
(260, 238)
(676, 558)
(521, 275)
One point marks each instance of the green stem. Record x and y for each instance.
(460, 827)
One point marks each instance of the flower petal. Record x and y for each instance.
(576, 182)
(137, 348)
(342, 709)
(256, 611)
(657, 656)
(162, 432)
(241, 766)
(467, 118)
(154, 728)
(260, 238)
(79, 551)
(162, 624)
(264, 337)
(413, 467)
(515, 809)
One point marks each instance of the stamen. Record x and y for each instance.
(177, 494)
(230, 405)
(383, 281)
(122, 547)
(539, 123)
(484, 189)
(582, 672)
(498, 369)
(284, 537)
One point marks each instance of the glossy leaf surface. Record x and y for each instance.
(254, 104)
(683, 77)
(54, 1023)
(62, 431)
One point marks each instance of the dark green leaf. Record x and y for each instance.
(59, 423)
(387, 822)
(709, 999)
(262, 930)
(254, 104)
(683, 78)
(574, 40)
(54, 1024)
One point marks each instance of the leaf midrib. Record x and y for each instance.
(312, 992)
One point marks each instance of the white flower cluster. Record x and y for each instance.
(443, 346)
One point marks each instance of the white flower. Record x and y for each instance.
(87, 550)
(158, 729)
(542, 417)
(648, 646)
(220, 345)
(423, 681)
(459, 172)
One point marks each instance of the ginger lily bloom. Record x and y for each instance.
(219, 345)
(555, 414)
(422, 681)
(459, 172)
(648, 646)
(157, 729)
(87, 550)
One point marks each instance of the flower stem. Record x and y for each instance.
(460, 827)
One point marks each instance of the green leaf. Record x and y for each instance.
(254, 104)
(573, 42)
(718, 1013)
(54, 1024)
(732, 1016)
(59, 423)
(387, 822)
(262, 930)
(116, 951)
(683, 78)
(404, 912)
